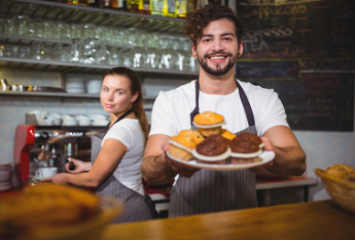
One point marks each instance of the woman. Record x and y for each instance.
(117, 153)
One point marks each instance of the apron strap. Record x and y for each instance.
(243, 98)
(246, 105)
(129, 111)
(196, 110)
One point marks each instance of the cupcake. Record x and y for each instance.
(252, 137)
(227, 134)
(213, 150)
(244, 151)
(195, 135)
(208, 123)
(181, 147)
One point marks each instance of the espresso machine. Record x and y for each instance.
(44, 148)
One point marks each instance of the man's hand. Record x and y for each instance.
(268, 146)
(181, 169)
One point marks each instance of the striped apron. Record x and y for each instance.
(213, 191)
(136, 207)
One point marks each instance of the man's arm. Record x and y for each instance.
(290, 159)
(157, 168)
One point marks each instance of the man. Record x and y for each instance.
(216, 35)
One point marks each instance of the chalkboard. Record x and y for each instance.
(304, 50)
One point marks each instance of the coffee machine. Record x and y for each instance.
(47, 147)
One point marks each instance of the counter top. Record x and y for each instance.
(312, 220)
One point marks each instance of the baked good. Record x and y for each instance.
(209, 123)
(341, 171)
(181, 147)
(195, 135)
(244, 150)
(216, 147)
(227, 134)
(250, 136)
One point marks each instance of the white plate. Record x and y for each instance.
(266, 156)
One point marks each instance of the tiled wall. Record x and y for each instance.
(322, 148)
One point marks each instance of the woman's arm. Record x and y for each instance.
(106, 162)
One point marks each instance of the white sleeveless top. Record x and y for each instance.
(130, 134)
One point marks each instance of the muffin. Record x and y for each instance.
(181, 147)
(195, 135)
(213, 150)
(252, 137)
(227, 134)
(244, 151)
(208, 123)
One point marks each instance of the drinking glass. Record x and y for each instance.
(61, 52)
(39, 29)
(115, 58)
(88, 51)
(75, 31)
(88, 31)
(38, 51)
(9, 27)
(8, 51)
(48, 30)
(21, 24)
(75, 51)
(131, 34)
(23, 52)
(102, 55)
(64, 31)
(100, 35)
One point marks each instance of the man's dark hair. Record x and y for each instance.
(196, 21)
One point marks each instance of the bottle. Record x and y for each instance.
(145, 6)
(119, 4)
(181, 8)
(133, 6)
(93, 3)
(157, 7)
(191, 5)
(105, 3)
(169, 8)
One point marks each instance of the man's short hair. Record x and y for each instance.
(196, 21)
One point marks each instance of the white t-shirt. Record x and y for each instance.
(171, 109)
(130, 134)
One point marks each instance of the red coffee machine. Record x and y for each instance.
(50, 146)
(24, 141)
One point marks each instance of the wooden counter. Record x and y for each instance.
(302, 221)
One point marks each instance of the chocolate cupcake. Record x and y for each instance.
(252, 137)
(244, 151)
(213, 150)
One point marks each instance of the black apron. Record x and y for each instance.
(136, 207)
(213, 191)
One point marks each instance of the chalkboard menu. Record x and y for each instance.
(304, 50)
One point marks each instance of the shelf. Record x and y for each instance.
(70, 128)
(22, 40)
(65, 95)
(53, 11)
(51, 65)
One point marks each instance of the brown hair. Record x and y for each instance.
(196, 21)
(135, 86)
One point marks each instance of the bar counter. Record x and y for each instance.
(312, 220)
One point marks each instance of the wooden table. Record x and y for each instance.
(302, 221)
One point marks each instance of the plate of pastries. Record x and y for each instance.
(213, 147)
(56, 212)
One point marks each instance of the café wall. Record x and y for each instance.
(322, 148)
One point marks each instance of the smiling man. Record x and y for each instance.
(215, 32)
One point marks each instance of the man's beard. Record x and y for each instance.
(218, 71)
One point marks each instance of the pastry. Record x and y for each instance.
(252, 137)
(227, 134)
(181, 147)
(209, 123)
(244, 151)
(195, 135)
(214, 149)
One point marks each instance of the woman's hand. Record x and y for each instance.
(61, 178)
(80, 166)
